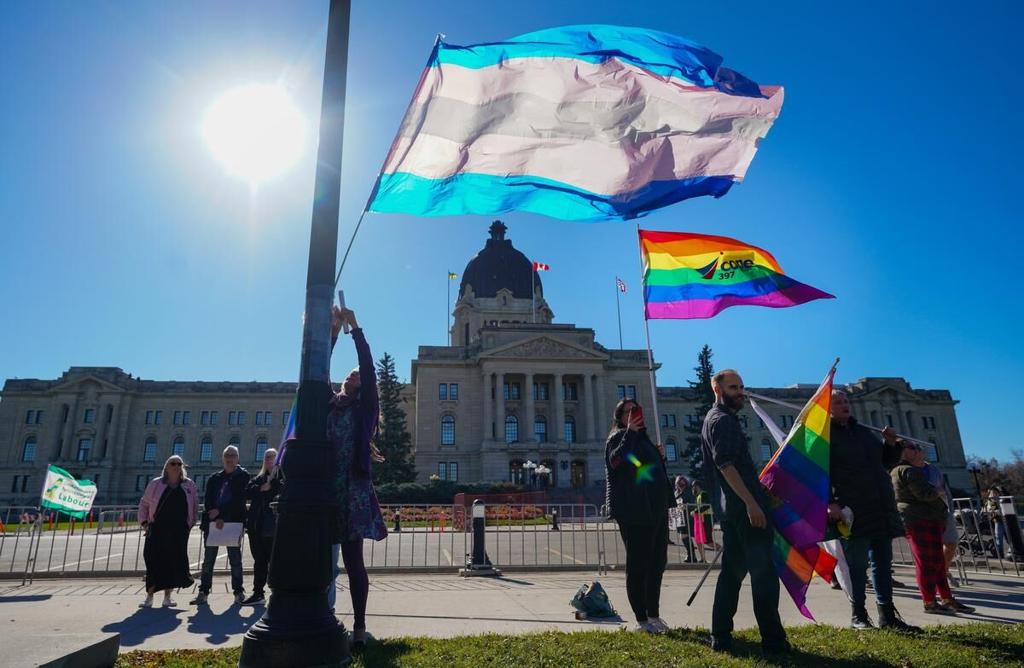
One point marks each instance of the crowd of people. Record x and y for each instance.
(885, 485)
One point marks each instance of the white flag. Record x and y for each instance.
(62, 492)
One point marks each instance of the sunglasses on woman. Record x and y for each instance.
(174, 464)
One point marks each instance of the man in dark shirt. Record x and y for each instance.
(859, 465)
(742, 508)
(224, 501)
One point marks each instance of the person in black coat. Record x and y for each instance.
(224, 501)
(859, 466)
(261, 521)
(638, 495)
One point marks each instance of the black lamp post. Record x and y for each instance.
(298, 628)
(974, 471)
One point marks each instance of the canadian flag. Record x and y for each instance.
(540, 266)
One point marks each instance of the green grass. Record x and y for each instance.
(995, 645)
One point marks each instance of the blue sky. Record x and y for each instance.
(888, 181)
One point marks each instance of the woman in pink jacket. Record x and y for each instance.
(168, 510)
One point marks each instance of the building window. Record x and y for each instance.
(786, 421)
(187, 418)
(149, 451)
(268, 418)
(692, 421)
(453, 471)
(30, 417)
(178, 448)
(110, 415)
(889, 421)
(241, 417)
(928, 422)
(204, 418)
(232, 418)
(213, 418)
(149, 417)
(668, 420)
(442, 391)
(442, 470)
(511, 429)
(158, 417)
(570, 392)
(627, 392)
(285, 417)
(235, 440)
(540, 429)
(447, 430)
(540, 392)
(140, 482)
(453, 391)
(511, 391)
(570, 430)
(84, 446)
(261, 449)
(177, 417)
(90, 416)
(206, 450)
(578, 474)
(39, 417)
(932, 453)
(259, 418)
(671, 453)
(28, 452)
(766, 449)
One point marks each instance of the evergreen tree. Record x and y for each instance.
(706, 399)
(393, 440)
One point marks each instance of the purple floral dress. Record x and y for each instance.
(350, 427)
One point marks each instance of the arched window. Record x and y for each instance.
(206, 449)
(447, 430)
(28, 453)
(671, 452)
(516, 474)
(511, 429)
(149, 451)
(540, 429)
(766, 449)
(179, 446)
(261, 448)
(570, 429)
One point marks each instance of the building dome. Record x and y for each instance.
(498, 266)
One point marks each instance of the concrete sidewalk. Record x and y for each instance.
(433, 605)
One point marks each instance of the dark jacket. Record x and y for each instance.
(859, 467)
(259, 501)
(916, 498)
(722, 443)
(230, 503)
(637, 489)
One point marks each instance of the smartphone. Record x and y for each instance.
(637, 413)
(341, 302)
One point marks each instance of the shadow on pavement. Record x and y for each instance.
(25, 599)
(143, 624)
(219, 628)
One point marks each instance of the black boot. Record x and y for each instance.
(860, 620)
(889, 618)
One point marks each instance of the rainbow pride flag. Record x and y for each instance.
(797, 479)
(699, 275)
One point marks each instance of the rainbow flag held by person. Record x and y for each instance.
(289, 430)
(797, 480)
(699, 275)
(583, 122)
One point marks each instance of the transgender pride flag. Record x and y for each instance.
(589, 122)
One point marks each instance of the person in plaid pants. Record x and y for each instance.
(924, 511)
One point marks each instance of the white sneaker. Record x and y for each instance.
(168, 603)
(645, 627)
(148, 603)
(659, 625)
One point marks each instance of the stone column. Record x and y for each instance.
(487, 407)
(603, 414)
(101, 430)
(589, 402)
(499, 400)
(558, 418)
(528, 404)
(69, 430)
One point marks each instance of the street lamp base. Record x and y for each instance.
(301, 641)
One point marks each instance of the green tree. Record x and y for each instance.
(706, 399)
(393, 440)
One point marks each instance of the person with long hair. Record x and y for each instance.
(638, 495)
(351, 426)
(923, 508)
(168, 510)
(260, 522)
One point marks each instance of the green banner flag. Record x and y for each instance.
(62, 492)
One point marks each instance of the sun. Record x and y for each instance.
(256, 132)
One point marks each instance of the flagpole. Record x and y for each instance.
(618, 312)
(533, 293)
(650, 354)
(779, 402)
(448, 315)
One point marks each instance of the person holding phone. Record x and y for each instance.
(638, 495)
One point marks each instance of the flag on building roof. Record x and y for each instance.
(620, 285)
(585, 122)
(452, 275)
(797, 480)
(699, 275)
(540, 266)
